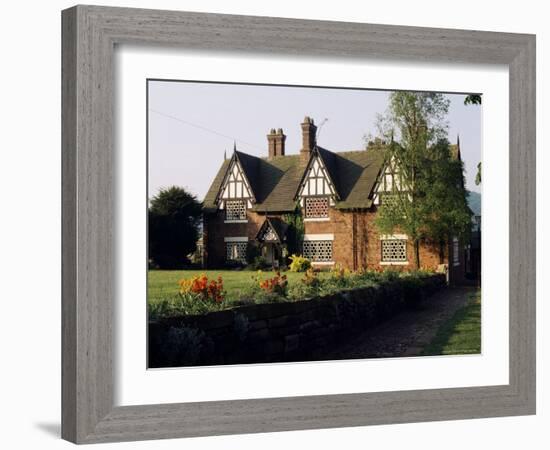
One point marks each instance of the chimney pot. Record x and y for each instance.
(309, 131)
(276, 143)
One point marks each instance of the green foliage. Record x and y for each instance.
(472, 99)
(444, 204)
(478, 174)
(258, 263)
(432, 203)
(185, 304)
(263, 297)
(174, 220)
(254, 257)
(296, 230)
(299, 263)
(252, 252)
(301, 291)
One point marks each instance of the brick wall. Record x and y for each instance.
(357, 242)
(215, 230)
(356, 239)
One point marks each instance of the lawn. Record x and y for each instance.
(163, 284)
(461, 334)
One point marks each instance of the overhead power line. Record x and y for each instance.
(208, 130)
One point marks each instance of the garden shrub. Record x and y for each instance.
(183, 304)
(301, 291)
(264, 297)
(258, 263)
(252, 252)
(299, 263)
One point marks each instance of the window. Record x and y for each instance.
(394, 250)
(236, 251)
(235, 210)
(456, 250)
(316, 207)
(318, 251)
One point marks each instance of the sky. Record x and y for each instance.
(193, 124)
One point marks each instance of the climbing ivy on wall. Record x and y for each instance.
(295, 233)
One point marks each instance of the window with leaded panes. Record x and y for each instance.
(236, 251)
(316, 207)
(394, 250)
(235, 210)
(318, 251)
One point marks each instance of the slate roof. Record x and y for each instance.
(275, 181)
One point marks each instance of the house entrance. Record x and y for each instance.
(271, 253)
(272, 239)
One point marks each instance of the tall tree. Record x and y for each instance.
(444, 204)
(174, 221)
(429, 203)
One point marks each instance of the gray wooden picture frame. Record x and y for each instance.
(89, 35)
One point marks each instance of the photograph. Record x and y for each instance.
(311, 223)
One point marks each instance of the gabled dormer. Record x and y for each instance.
(317, 190)
(235, 196)
(390, 182)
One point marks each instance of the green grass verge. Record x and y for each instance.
(461, 334)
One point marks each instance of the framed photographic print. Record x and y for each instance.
(303, 218)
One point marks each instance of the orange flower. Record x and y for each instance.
(200, 285)
(277, 284)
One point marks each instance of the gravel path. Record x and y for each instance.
(404, 335)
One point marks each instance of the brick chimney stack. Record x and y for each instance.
(309, 131)
(276, 143)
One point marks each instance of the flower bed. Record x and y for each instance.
(200, 295)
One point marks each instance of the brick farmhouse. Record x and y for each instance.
(337, 193)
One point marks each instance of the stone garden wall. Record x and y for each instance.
(278, 332)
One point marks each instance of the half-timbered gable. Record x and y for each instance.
(317, 181)
(317, 191)
(390, 183)
(235, 195)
